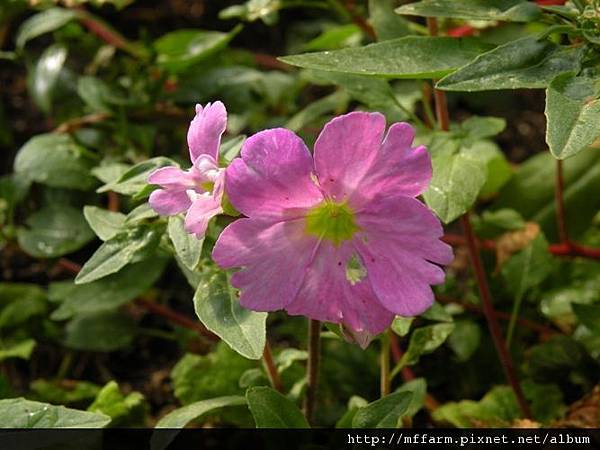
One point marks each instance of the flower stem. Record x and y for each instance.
(490, 315)
(484, 290)
(312, 368)
(271, 368)
(384, 361)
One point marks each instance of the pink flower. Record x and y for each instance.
(338, 238)
(198, 190)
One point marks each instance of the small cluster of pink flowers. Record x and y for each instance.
(337, 235)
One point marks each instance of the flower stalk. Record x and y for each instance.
(312, 368)
(271, 368)
(384, 361)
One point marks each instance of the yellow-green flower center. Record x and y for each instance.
(331, 221)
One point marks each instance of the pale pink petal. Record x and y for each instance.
(168, 202)
(344, 151)
(398, 169)
(169, 177)
(400, 248)
(204, 207)
(274, 176)
(272, 256)
(328, 295)
(204, 133)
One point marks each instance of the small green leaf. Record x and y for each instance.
(437, 313)
(21, 413)
(457, 180)
(408, 57)
(572, 113)
(55, 160)
(64, 392)
(270, 409)
(555, 359)
(218, 308)
(106, 224)
(523, 63)
(43, 22)
(135, 179)
(424, 340)
(100, 332)
(465, 339)
(20, 303)
(117, 252)
(125, 410)
(502, 10)
(45, 75)
(181, 49)
(54, 231)
(529, 267)
(418, 389)
(588, 315)
(401, 325)
(187, 246)
(338, 36)
(180, 417)
(22, 349)
(383, 413)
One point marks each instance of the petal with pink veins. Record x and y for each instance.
(274, 177)
(400, 248)
(344, 151)
(273, 257)
(328, 295)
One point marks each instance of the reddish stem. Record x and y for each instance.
(271, 368)
(359, 20)
(490, 315)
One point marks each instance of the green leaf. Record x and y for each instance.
(55, 160)
(64, 392)
(21, 413)
(181, 49)
(464, 339)
(180, 417)
(546, 401)
(588, 315)
(494, 223)
(41, 23)
(502, 10)
(134, 180)
(219, 309)
(251, 10)
(117, 252)
(338, 36)
(477, 127)
(54, 231)
(125, 410)
(45, 75)
(408, 57)
(572, 113)
(107, 293)
(437, 313)
(401, 325)
(270, 409)
(497, 408)
(457, 180)
(523, 63)
(418, 389)
(20, 303)
(555, 359)
(424, 340)
(531, 191)
(316, 110)
(386, 24)
(21, 349)
(383, 413)
(529, 267)
(106, 224)
(97, 95)
(100, 332)
(187, 246)
(216, 374)
(354, 404)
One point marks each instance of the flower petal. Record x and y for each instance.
(171, 176)
(273, 178)
(204, 207)
(398, 169)
(168, 202)
(273, 257)
(328, 295)
(345, 150)
(204, 133)
(398, 247)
